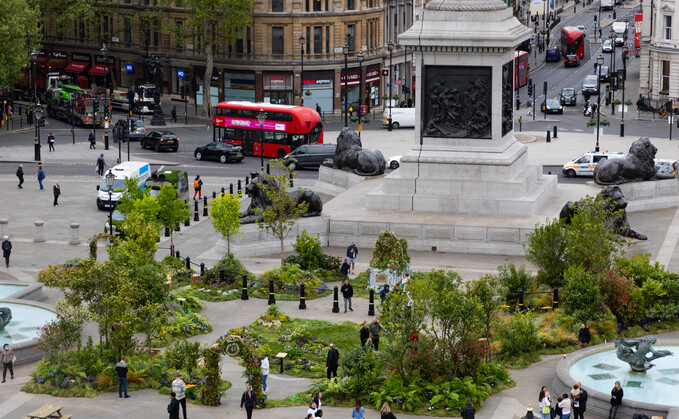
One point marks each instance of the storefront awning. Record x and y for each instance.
(76, 67)
(98, 70)
(56, 63)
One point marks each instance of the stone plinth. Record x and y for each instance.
(649, 195)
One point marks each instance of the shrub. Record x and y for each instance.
(309, 250)
(514, 280)
(183, 355)
(617, 292)
(582, 295)
(363, 368)
(639, 268)
(390, 252)
(546, 248)
(233, 272)
(291, 275)
(518, 333)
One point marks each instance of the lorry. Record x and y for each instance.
(140, 171)
(42, 83)
(74, 105)
(142, 98)
(619, 30)
(606, 5)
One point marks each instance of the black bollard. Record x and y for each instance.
(231, 188)
(214, 194)
(555, 299)
(548, 139)
(223, 191)
(205, 206)
(521, 306)
(239, 188)
(195, 211)
(335, 300)
(244, 295)
(268, 169)
(188, 263)
(272, 296)
(371, 303)
(177, 255)
(302, 297)
(247, 180)
(554, 131)
(292, 181)
(167, 232)
(202, 269)
(222, 275)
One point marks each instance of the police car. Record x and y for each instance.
(585, 164)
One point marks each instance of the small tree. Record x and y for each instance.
(172, 210)
(224, 210)
(546, 249)
(150, 319)
(390, 252)
(486, 289)
(582, 295)
(279, 217)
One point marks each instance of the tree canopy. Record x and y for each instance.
(17, 19)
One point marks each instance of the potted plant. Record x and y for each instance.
(591, 123)
(628, 102)
(395, 97)
(664, 92)
(365, 120)
(308, 92)
(296, 94)
(605, 123)
(354, 118)
(385, 97)
(617, 102)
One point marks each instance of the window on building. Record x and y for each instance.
(370, 35)
(248, 42)
(276, 5)
(239, 41)
(326, 5)
(60, 30)
(179, 36)
(317, 5)
(128, 1)
(306, 5)
(318, 40)
(81, 29)
(350, 37)
(350, 4)
(128, 30)
(370, 3)
(156, 33)
(668, 27)
(665, 79)
(277, 45)
(395, 27)
(327, 39)
(307, 44)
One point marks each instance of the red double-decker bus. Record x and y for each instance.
(284, 129)
(572, 42)
(521, 69)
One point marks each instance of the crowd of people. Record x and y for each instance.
(574, 403)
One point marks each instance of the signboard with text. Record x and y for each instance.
(249, 123)
(638, 23)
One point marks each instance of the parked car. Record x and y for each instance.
(394, 162)
(590, 86)
(309, 156)
(223, 152)
(552, 55)
(582, 28)
(551, 106)
(122, 133)
(160, 140)
(585, 164)
(619, 40)
(571, 60)
(568, 96)
(607, 46)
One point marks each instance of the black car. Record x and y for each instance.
(160, 140)
(309, 156)
(552, 106)
(603, 75)
(223, 152)
(121, 132)
(571, 60)
(568, 96)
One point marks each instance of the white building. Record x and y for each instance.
(659, 72)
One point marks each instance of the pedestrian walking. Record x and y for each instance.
(358, 411)
(468, 411)
(197, 186)
(173, 407)
(101, 164)
(173, 114)
(584, 335)
(29, 115)
(248, 400)
(6, 250)
(318, 108)
(386, 413)
(375, 328)
(384, 292)
(544, 403)
(332, 361)
(365, 333)
(121, 370)
(265, 372)
(8, 359)
(312, 409)
(347, 293)
(352, 252)
(616, 400)
(41, 177)
(50, 141)
(345, 269)
(20, 175)
(56, 189)
(93, 140)
(579, 411)
(178, 388)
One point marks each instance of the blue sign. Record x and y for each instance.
(180, 74)
(129, 68)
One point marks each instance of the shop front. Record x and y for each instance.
(79, 62)
(353, 89)
(58, 60)
(277, 88)
(239, 86)
(99, 73)
(372, 86)
(128, 74)
(318, 90)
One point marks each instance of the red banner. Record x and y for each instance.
(638, 22)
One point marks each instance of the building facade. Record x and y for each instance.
(659, 71)
(291, 53)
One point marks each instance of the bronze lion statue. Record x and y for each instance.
(637, 166)
(259, 199)
(350, 155)
(614, 201)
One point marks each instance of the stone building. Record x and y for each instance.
(659, 71)
(264, 63)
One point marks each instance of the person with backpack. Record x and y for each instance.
(248, 400)
(468, 411)
(345, 269)
(197, 184)
(101, 163)
(50, 141)
(6, 250)
(41, 177)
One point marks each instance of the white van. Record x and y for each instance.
(585, 164)
(129, 169)
(400, 117)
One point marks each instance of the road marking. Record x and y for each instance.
(15, 402)
(669, 244)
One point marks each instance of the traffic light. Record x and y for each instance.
(95, 105)
(595, 18)
(547, 25)
(181, 91)
(530, 89)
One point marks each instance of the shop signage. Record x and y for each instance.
(59, 54)
(180, 73)
(99, 59)
(317, 82)
(372, 75)
(353, 77)
(385, 72)
(77, 56)
(277, 79)
(129, 68)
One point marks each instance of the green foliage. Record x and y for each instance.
(390, 252)
(518, 333)
(639, 268)
(309, 250)
(362, 369)
(224, 210)
(291, 275)
(273, 312)
(546, 249)
(582, 295)
(172, 210)
(514, 280)
(183, 355)
(233, 272)
(61, 334)
(133, 192)
(18, 17)
(618, 293)
(486, 289)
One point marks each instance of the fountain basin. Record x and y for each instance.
(22, 331)
(7, 289)
(598, 367)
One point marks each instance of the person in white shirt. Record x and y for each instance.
(179, 387)
(312, 409)
(565, 406)
(265, 372)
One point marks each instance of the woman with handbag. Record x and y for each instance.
(616, 400)
(8, 359)
(545, 402)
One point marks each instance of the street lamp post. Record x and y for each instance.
(360, 58)
(345, 50)
(625, 51)
(110, 178)
(261, 117)
(301, 73)
(613, 72)
(599, 63)
(390, 47)
(34, 102)
(104, 52)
